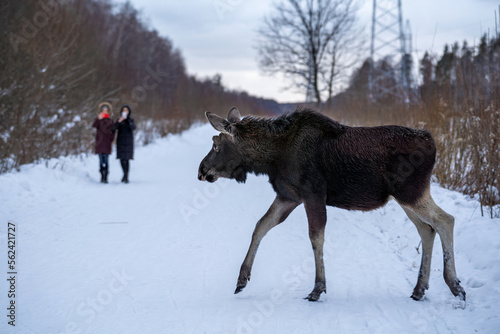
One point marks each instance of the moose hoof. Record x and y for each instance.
(241, 285)
(460, 293)
(314, 295)
(418, 294)
(242, 280)
(239, 289)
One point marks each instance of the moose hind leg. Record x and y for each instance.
(427, 234)
(316, 216)
(428, 211)
(277, 213)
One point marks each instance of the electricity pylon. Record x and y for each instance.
(389, 66)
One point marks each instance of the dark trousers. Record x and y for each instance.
(104, 161)
(126, 167)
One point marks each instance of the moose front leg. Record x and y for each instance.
(316, 216)
(277, 213)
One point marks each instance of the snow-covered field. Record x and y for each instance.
(162, 255)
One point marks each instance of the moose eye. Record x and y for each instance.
(216, 148)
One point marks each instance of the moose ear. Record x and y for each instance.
(219, 123)
(233, 115)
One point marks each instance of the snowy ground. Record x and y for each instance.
(162, 255)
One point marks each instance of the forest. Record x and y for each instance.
(60, 59)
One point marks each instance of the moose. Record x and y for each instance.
(314, 160)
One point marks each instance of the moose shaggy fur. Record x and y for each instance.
(314, 160)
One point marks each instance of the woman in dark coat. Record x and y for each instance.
(125, 126)
(104, 138)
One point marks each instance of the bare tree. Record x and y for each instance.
(310, 42)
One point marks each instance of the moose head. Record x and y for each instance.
(226, 158)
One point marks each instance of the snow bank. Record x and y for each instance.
(162, 255)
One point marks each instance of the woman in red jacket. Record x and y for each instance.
(104, 138)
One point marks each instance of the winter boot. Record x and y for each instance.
(102, 174)
(125, 167)
(106, 172)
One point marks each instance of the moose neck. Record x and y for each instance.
(260, 146)
(261, 163)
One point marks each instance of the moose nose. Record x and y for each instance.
(201, 173)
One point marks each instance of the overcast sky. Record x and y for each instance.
(218, 36)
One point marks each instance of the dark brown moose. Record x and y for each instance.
(315, 160)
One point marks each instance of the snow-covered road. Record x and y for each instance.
(162, 255)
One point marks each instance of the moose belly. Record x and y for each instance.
(357, 199)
